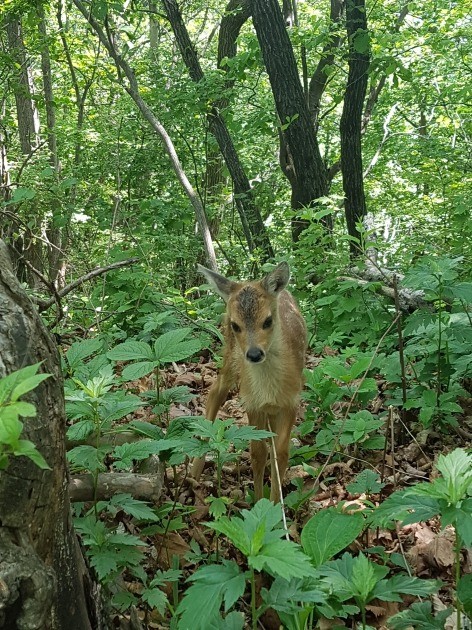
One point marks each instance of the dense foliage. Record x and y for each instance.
(111, 152)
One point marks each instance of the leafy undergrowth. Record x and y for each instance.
(205, 556)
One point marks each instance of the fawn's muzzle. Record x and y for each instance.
(255, 355)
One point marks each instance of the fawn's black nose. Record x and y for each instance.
(255, 355)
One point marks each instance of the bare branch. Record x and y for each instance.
(44, 305)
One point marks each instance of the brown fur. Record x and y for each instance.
(271, 382)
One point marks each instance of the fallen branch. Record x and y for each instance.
(143, 487)
(43, 305)
(408, 300)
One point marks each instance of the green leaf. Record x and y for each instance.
(406, 507)
(127, 454)
(419, 616)
(391, 590)
(21, 194)
(360, 41)
(462, 291)
(171, 346)
(328, 532)
(155, 598)
(131, 351)
(456, 468)
(282, 558)
(28, 449)
(80, 430)
(10, 426)
(464, 593)
(366, 482)
(234, 529)
(364, 577)
(27, 385)
(133, 507)
(9, 382)
(24, 409)
(147, 429)
(137, 370)
(80, 350)
(88, 458)
(213, 585)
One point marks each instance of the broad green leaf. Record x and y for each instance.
(464, 593)
(147, 429)
(212, 585)
(24, 409)
(134, 371)
(9, 382)
(391, 590)
(21, 194)
(155, 598)
(28, 449)
(172, 346)
(234, 529)
(419, 616)
(80, 350)
(80, 430)
(405, 507)
(10, 426)
(364, 577)
(282, 558)
(88, 458)
(131, 351)
(360, 41)
(27, 385)
(328, 532)
(463, 291)
(130, 505)
(104, 563)
(127, 454)
(456, 467)
(366, 482)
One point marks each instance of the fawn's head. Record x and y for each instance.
(252, 309)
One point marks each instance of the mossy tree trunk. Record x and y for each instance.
(44, 583)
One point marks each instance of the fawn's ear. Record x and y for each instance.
(219, 283)
(277, 279)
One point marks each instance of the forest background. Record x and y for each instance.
(139, 138)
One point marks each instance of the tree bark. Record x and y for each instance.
(251, 220)
(301, 159)
(351, 120)
(27, 114)
(42, 573)
(319, 78)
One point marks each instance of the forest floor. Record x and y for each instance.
(427, 551)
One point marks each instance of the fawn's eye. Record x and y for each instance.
(235, 327)
(267, 323)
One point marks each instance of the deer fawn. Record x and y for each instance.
(265, 343)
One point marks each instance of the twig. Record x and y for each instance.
(391, 414)
(44, 305)
(279, 481)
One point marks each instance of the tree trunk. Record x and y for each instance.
(251, 220)
(351, 120)
(42, 573)
(55, 235)
(27, 114)
(301, 159)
